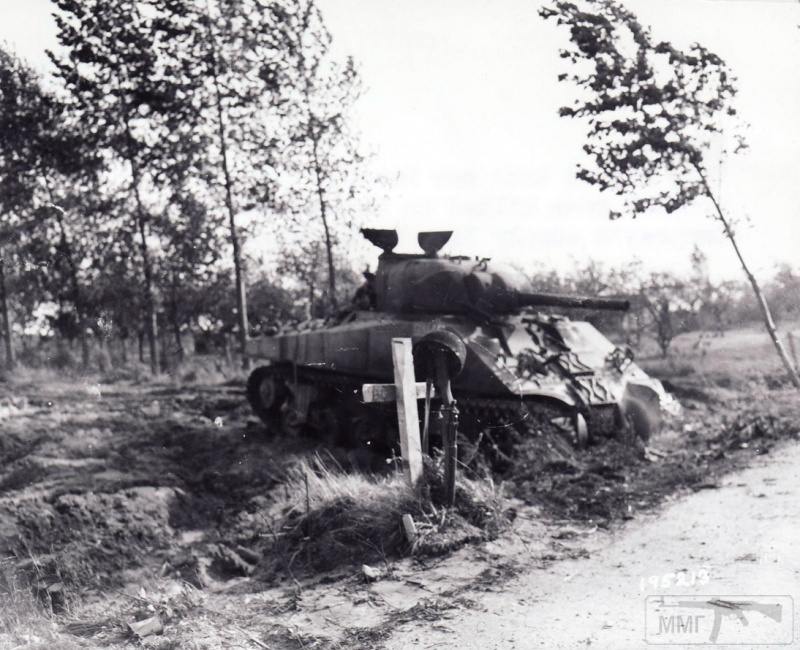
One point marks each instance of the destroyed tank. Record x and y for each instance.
(520, 367)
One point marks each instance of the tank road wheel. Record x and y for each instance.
(641, 413)
(637, 423)
(266, 393)
(292, 422)
(323, 424)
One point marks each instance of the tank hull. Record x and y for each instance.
(517, 357)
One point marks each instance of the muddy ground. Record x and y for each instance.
(123, 502)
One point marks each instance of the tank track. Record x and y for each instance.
(497, 424)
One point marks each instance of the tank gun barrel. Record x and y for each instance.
(576, 302)
(488, 295)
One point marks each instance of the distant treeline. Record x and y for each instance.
(664, 305)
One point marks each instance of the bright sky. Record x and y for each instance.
(461, 109)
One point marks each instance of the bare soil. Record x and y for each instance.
(124, 502)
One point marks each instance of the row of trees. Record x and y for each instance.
(172, 132)
(666, 304)
(175, 130)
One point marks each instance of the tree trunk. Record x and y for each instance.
(323, 213)
(766, 314)
(310, 304)
(226, 350)
(238, 264)
(314, 135)
(176, 326)
(151, 324)
(10, 361)
(176, 330)
(166, 357)
(141, 346)
(77, 295)
(123, 347)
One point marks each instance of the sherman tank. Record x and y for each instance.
(521, 366)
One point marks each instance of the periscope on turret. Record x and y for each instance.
(517, 356)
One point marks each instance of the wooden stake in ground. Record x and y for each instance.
(405, 393)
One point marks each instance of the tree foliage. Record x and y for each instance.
(658, 117)
(174, 134)
(654, 112)
(331, 183)
(46, 163)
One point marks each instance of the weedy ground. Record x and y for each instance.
(125, 500)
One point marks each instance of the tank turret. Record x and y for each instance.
(429, 283)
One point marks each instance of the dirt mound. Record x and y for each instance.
(94, 484)
(89, 539)
(611, 480)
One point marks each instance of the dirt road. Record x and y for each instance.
(739, 539)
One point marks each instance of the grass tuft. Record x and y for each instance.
(332, 518)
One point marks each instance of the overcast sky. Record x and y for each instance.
(461, 109)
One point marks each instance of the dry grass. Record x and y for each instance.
(28, 375)
(27, 619)
(333, 518)
(195, 369)
(316, 483)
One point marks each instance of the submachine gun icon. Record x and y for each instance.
(722, 608)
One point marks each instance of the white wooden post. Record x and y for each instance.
(407, 414)
(405, 392)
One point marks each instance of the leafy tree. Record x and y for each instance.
(227, 52)
(330, 178)
(304, 262)
(129, 102)
(270, 306)
(18, 103)
(784, 291)
(68, 206)
(193, 240)
(43, 157)
(656, 115)
(712, 302)
(548, 280)
(665, 300)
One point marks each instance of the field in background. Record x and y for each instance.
(738, 357)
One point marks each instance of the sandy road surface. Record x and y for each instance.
(746, 534)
